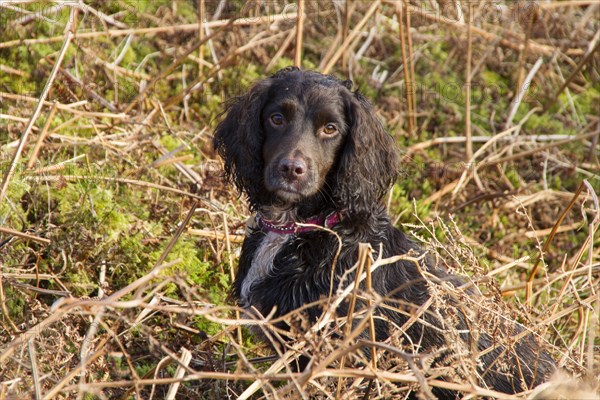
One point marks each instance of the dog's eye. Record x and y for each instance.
(329, 129)
(276, 119)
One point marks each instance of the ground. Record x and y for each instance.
(119, 235)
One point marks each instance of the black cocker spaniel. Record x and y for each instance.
(308, 152)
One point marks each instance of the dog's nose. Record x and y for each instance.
(292, 168)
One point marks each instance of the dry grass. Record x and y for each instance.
(117, 233)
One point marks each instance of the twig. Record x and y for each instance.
(549, 241)
(523, 54)
(217, 235)
(468, 133)
(73, 79)
(115, 179)
(524, 88)
(64, 107)
(361, 264)
(85, 346)
(541, 148)
(299, 32)
(566, 3)
(407, 15)
(481, 139)
(151, 85)
(534, 46)
(201, 21)
(171, 243)
(24, 235)
(69, 31)
(173, 29)
(3, 305)
(41, 137)
(52, 393)
(369, 286)
(35, 371)
(186, 357)
(348, 9)
(374, 6)
(583, 61)
(282, 48)
(408, 79)
(228, 239)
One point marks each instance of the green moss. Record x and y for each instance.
(15, 303)
(81, 282)
(588, 101)
(545, 124)
(402, 201)
(514, 177)
(94, 206)
(11, 213)
(170, 142)
(143, 369)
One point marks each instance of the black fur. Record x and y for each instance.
(294, 170)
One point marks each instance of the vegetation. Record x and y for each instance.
(119, 236)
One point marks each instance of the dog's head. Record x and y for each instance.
(300, 137)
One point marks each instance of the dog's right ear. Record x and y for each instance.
(239, 139)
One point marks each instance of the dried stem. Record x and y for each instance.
(468, 133)
(299, 32)
(69, 32)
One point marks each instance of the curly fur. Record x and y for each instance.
(353, 169)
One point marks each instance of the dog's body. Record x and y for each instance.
(305, 149)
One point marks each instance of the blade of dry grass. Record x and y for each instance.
(355, 32)
(519, 97)
(533, 15)
(363, 255)
(535, 47)
(40, 141)
(70, 108)
(573, 74)
(201, 22)
(299, 33)
(24, 235)
(411, 65)
(35, 371)
(70, 28)
(369, 287)
(406, 61)
(282, 48)
(267, 19)
(57, 388)
(546, 246)
(184, 361)
(468, 131)
(75, 178)
(176, 63)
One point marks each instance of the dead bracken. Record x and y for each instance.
(119, 237)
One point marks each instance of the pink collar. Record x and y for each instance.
(291, 228)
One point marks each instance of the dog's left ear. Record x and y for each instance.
(369, 161)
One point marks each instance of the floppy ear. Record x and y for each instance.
(369, 162)
(239, 139)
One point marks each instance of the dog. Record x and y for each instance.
(315, 164)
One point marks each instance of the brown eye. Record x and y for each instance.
(277, 119)
(329, 129)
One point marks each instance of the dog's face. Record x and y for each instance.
(303, 140)
(304, 128)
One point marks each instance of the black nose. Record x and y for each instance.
(292, 168)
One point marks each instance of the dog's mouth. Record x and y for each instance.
(288, 193)
(290, 190)
(291, 193)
